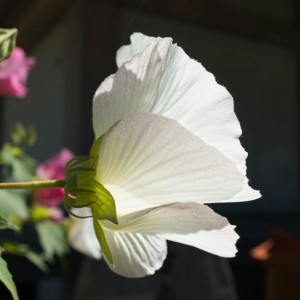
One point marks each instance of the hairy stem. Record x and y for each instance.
(33, 185)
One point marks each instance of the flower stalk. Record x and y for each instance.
(33, 185)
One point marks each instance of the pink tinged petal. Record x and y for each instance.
(14, 72)
(50, 197)
(12, 87)
(17, 63)
(56, 214)
(175, 86)
(147, 160)
(53, 169)
(188, 223)
(134, 254)
(82, 236)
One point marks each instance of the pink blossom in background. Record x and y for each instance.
(56, 214)
(53, 169)
(14, 72)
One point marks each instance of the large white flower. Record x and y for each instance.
(167, 142)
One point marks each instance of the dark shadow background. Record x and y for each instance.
(252, 48)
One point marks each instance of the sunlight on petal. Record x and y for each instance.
(136, 255)
(187, 223)
(156, 160)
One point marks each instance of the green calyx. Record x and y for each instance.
(83, 190)
(7, 42)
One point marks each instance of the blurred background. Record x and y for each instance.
(252, 48)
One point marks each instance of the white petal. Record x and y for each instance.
(209, 115)
(190, 94)
(82, 236)
(184, 91)
(246, 194)
(135, 255)
(147, 160)
(138, 44)
(187, 223)
(132, 89)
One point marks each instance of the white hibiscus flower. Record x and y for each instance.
(167, 143)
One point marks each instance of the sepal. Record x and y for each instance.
(83, 190)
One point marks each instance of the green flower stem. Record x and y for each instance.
(33, 185)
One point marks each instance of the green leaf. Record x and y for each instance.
(18, 134)
(7, 42)
(22, 165)
(6, 224)
(22, 136)
(24, 168)
(6, 278)
(28, 253)
(13, 203)
(52, 239)
(102, 241)
(30, 137)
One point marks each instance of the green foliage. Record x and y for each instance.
(25, 251)
(6, 278)
(52, 239)
(7, 42)
(102, 241)
(39, 213)
(6, 224)
(19, 207)
(23, 137)
(16, 166)
(13, 204)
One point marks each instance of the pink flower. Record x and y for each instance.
(53, 169)
(56, 214)
(14, 72)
